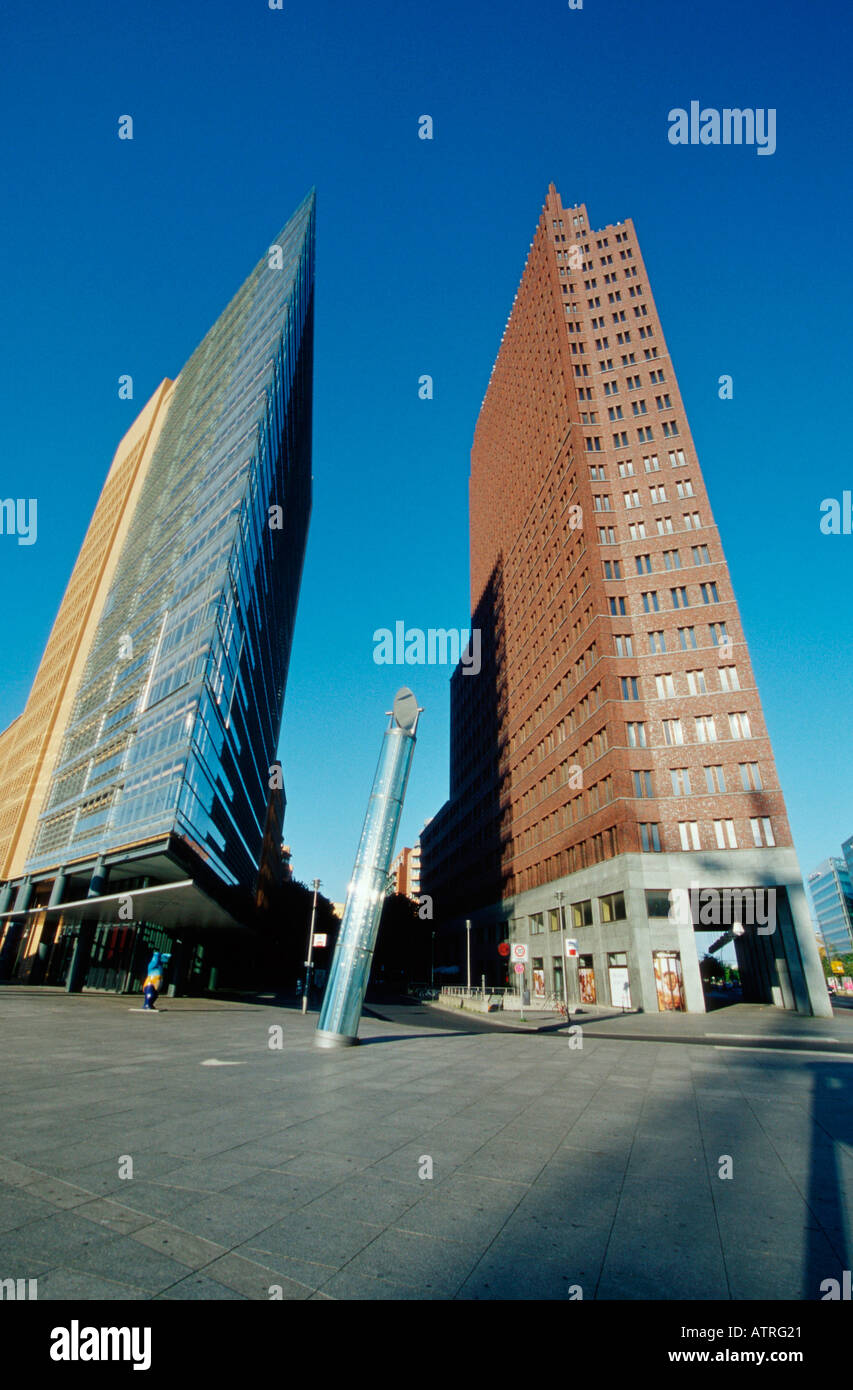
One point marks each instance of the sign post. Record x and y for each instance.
(572, 963)
(519, 956)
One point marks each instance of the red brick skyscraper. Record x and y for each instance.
(613, 747)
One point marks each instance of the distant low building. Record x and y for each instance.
(404, 876)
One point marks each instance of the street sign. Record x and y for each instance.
(518, 968)
(837, 967)
(519, 951)
(320, 938)
(571, 947)
(503, 948)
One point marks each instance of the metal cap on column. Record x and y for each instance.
(348, 977)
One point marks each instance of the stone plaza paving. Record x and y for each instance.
(260, 1171)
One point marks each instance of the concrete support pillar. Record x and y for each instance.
(15, 930)
(48, 930)
(86, 932)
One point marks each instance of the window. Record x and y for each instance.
(650, 602)
(657, 642)
(626, 469)
(673, 734)
(706, 729)
(687, 638)
(639, 408)
(601, 502)
(676, 456)
(651, 463)
(612, 569)
(701, 555)
(612, 907)
(642, 783)
(689, 832)
(729, 679)
(670, 428)
(679, 598)
(680, 781)
(644, 564)
(624, 645)
(617, 607)
(632, 499)
(637, 530)
(715, 780)
(636, 735)
(696, 683)
(724, 830)
(672, 560)
(719, 633)
(629, 687)
(620, 440)
(596, 472)
(750, 777)
(665, 686)
(684, 487)
(582, 913)
(650, 839)
(739, 726)
(762, 831)
(606, 535)
(657, 494)
(664, 525)
(709, 593)
(657, 902)
(645, 434)
(536, 925)
(614, 412)
(692, 521)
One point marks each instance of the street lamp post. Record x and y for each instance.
(468, 930)
(432, 962)
(308, 966)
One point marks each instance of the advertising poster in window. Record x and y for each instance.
(668, 980)
(586, 984)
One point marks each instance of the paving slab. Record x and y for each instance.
(302, 1172)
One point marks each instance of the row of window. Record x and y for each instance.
(705, 726)
(642, 780)
(724, 835)
(603, 502)
(709, 592)
(671, 561)
(637, 529)
(715, 780)
(624, 643)
(651, 464)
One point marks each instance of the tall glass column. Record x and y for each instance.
(339, 1017)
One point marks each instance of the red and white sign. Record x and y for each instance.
(518, 968)
(571, 946)
(320, 938)
(519, 951)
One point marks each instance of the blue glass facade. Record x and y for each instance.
(176, 723)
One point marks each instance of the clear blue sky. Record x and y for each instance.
(117, 257)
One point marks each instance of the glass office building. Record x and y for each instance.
(162, 771)
(831, 893)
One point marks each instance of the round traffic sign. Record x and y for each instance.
(518, 968)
